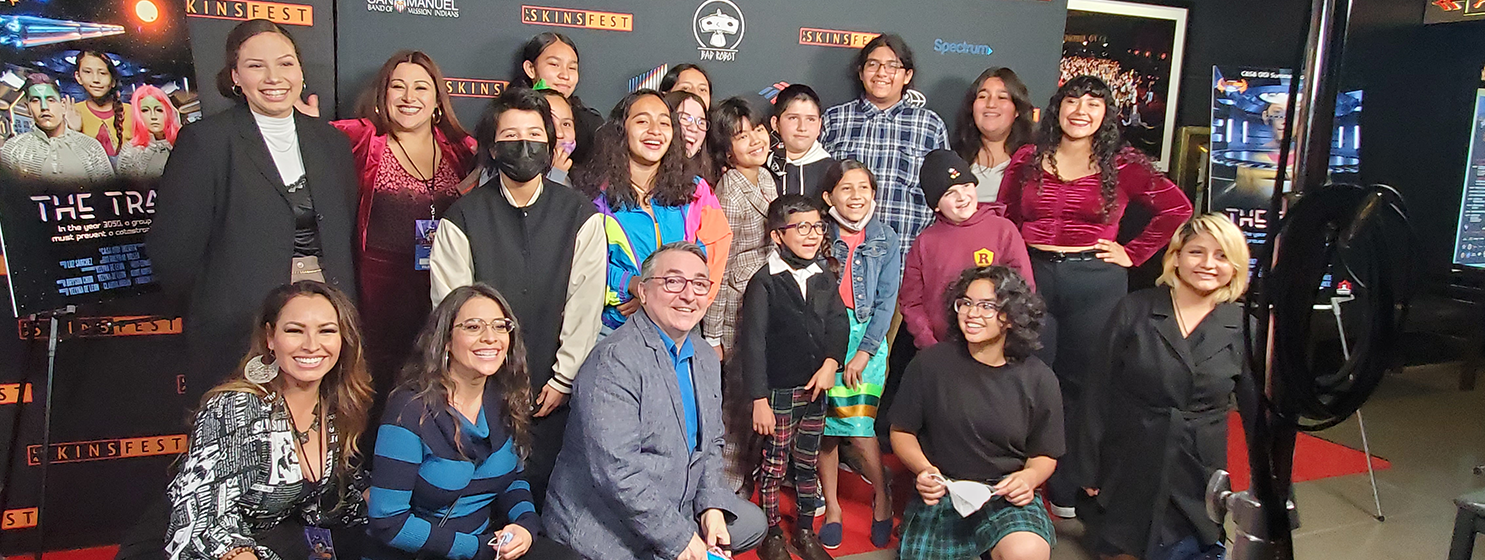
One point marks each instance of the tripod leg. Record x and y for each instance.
(1370, 472)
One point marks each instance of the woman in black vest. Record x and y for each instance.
(253, 197)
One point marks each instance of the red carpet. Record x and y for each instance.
(1314, 458)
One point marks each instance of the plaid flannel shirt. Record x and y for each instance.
(892, 144)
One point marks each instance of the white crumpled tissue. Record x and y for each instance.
(968, 496)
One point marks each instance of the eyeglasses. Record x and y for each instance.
(806, 228)
(985, 307)
(892, 67)
(677, 284)
(476, 327)
(693, 120)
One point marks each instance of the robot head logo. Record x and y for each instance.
(718, 27)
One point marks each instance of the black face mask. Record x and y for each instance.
(522, 160)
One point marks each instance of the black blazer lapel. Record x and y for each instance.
(1165, 324)
(1223, 330)
(257, 150)
(316, 168)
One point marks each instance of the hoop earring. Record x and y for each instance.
(237, 90)
(258, 372)
(437, 114)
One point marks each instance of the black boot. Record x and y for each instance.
(773, 547)
(808, 545)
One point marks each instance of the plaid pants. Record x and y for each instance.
(797, 425)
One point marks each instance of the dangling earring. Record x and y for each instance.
(258, 372)
(376, 110)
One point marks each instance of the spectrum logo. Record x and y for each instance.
(834, 38)
(941, 46)
(584, 19)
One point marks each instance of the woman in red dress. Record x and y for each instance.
(411, 155)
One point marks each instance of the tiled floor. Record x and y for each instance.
(1431, 432)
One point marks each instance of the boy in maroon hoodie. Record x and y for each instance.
(964, 233)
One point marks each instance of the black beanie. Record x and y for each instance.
(943, 169)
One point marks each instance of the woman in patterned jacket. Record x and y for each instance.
(273, 463)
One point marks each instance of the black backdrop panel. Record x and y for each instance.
(311, 22)
(478, 40)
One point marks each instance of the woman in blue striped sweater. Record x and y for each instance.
(447, 480)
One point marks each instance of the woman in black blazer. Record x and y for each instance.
(254, 197)
(1156, 426)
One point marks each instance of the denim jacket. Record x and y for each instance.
(876, 273)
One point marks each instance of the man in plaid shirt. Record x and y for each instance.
(888, 133)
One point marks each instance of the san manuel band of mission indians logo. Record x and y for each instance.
(436, 8)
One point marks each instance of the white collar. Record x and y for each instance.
(485, 177)
(776, 265)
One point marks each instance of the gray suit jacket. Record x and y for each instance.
(625, 485)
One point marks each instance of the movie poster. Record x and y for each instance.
(93, 94)
(1136, 49)
(93, 89)
(1249, 106)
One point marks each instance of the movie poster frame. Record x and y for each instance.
(1177, 57)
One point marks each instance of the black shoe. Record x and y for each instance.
(808, 545)
(773, 547)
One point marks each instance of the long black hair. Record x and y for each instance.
(607, 174)
(1107, 142)
(667, 82)
(1021, 309)
(702, 164)
(427, 378)
(966, 140)
(111, 95)
(531, 50)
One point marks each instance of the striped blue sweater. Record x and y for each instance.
(421, 477)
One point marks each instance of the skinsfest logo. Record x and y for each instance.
(941, 46)
(277, 12)
(582, 19)
(718, 27)
(435, 8)
(834, 38)
(474, 87)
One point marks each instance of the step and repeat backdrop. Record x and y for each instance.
(119, 412)
(749, 47)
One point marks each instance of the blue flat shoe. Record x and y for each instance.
(881, 532)
(830, 535)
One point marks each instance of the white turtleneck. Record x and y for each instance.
(283, 145)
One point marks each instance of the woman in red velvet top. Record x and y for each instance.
(1067, 193)
(411, 155)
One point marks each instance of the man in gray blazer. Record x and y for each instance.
(640, 472)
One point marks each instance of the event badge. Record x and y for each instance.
(321, 547)
(423, 231)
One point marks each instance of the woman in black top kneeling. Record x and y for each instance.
(979, 412)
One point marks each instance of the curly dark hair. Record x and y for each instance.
(427, 377)
(704, 163)
(966, 139)
(725, 121)
(1021, 309)
(1108, 143)
(607, 174)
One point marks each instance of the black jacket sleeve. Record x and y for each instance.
(837, 325)
(189, 200)
(752, 335)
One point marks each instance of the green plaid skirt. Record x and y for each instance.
(937, 532)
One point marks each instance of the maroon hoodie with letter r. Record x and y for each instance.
(940, 255)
